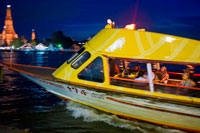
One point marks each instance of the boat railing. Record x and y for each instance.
(37, 71)
(178, 76)
(158, 87)
(198, 75)
(23, 65)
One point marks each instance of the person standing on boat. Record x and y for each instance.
(187, 81)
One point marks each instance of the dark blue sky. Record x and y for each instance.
(80, 19)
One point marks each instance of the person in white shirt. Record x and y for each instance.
(141, 76)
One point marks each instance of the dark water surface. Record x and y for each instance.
(26, 106)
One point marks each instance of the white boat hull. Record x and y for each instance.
(177, 116)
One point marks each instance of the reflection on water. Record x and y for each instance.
(25, 105)
(5, 57)
(39, 58)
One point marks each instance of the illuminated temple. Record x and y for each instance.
(8, 33)
(33, 35)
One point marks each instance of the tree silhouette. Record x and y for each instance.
(17, 42)
(59, 38)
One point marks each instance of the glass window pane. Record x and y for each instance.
(82, 59)
(93, 72)
(75, 55)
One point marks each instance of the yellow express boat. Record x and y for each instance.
(89, 77)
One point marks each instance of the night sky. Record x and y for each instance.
(81, 19)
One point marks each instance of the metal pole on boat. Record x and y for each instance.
(150, 77)
(1, 73)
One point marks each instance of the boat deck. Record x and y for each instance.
(37, 71)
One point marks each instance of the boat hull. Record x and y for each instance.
(167, 114)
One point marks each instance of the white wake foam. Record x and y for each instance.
(92, 115)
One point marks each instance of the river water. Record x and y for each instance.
(27, 107)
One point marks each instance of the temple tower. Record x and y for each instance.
(8, 33)
(33, 35)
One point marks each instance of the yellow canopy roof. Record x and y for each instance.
(135, 44)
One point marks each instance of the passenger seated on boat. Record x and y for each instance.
(141, 76)
(161, 75)
(136, 69)
(127, 72)
(123, 74)
(190, 71)
(187, 81)
(114, 69)
(158, 76)
(134, 73)
(193, 78)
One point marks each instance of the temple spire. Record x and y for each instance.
(33, 35)
(8, 13)
(8, 21)
(8, 33)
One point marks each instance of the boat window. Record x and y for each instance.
(80, 60)
(93, 72)
(175, 79)
(75, 55)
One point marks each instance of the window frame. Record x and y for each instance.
(75, 55)
(88, 65)
(77, 59)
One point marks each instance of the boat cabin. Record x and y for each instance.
(130, 61)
